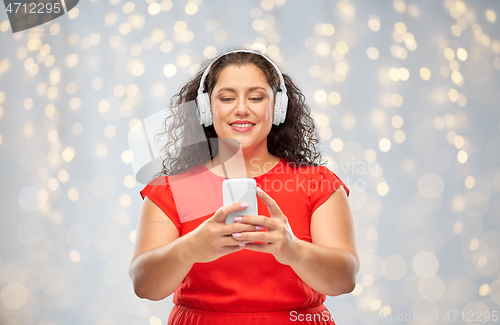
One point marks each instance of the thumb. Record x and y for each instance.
(221, 214)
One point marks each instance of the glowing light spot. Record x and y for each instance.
(258, 25)
(462, 54)
(154, 8)
(458, 227)
(399, 6)
(320, 96)
(125, 200)
(255, 12)
(327, 29)
(72, 60)
(456, 30)
(68, 154)
(169, 70)
(334, 98)
(14, 295)
(462, 156)
(397, 121)
(372, 53)
(484, 290)
(384, 144)
(101, 150)
(132, 235)
(166, 5)
(50, 110)
(336, 145)
(374, 23)
(154, 320)
(346, 8)
(74, 256)
(396, 100)
(73, 194)
(425, 73)
(103, 106)
(125, 28)
(375, 304)
(425, 264)
(323, 49)
(469, 182)
(400, 28)
(491, 16)
(382, 189)
(129, 181)
(109, 131)
(127, 156)
(138, 69)
(342, 47)
(166, 46)
(191, 8)
(73, 13)
(453, 95)
(110, 19)
(315, 71)
(128, 7)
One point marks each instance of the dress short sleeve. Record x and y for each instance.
(158, 191)
(323, 183)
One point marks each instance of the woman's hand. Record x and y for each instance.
(213, 238)
(278, 238)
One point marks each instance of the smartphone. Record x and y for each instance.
(240, 189)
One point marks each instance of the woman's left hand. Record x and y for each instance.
(278, 239)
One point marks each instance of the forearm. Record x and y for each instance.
(157, 273)
(328, 270)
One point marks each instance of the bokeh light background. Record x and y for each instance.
(405, 94)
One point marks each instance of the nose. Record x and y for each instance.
(241, 106)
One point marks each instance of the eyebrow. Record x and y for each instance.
(249, 89)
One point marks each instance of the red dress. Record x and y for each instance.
(246, 287)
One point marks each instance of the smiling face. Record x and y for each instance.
(242, 104)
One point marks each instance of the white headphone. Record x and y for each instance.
(203, 101)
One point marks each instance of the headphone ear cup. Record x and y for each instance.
(284, 106)
(277, 109)
(198, 109)
(280, 107)
(208, 112)
(203, 105)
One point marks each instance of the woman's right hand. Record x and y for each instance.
(213, 237)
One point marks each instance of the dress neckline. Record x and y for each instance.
(268, 172)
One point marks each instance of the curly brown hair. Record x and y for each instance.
(295, 140)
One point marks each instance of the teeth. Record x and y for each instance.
(242, 125)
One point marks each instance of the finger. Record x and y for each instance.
(260, 236)
(239, 227)
(272, 206)
(229, 241)
(258, 220)
(264, 247)
(221, 214)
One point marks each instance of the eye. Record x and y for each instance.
(256, 99)
(225, 99)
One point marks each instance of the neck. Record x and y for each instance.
(233, 162)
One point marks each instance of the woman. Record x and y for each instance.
(271, 268)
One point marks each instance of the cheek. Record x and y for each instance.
(270, 113)
(215, 112)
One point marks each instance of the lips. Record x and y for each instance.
(242, 123)
(242, 128)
